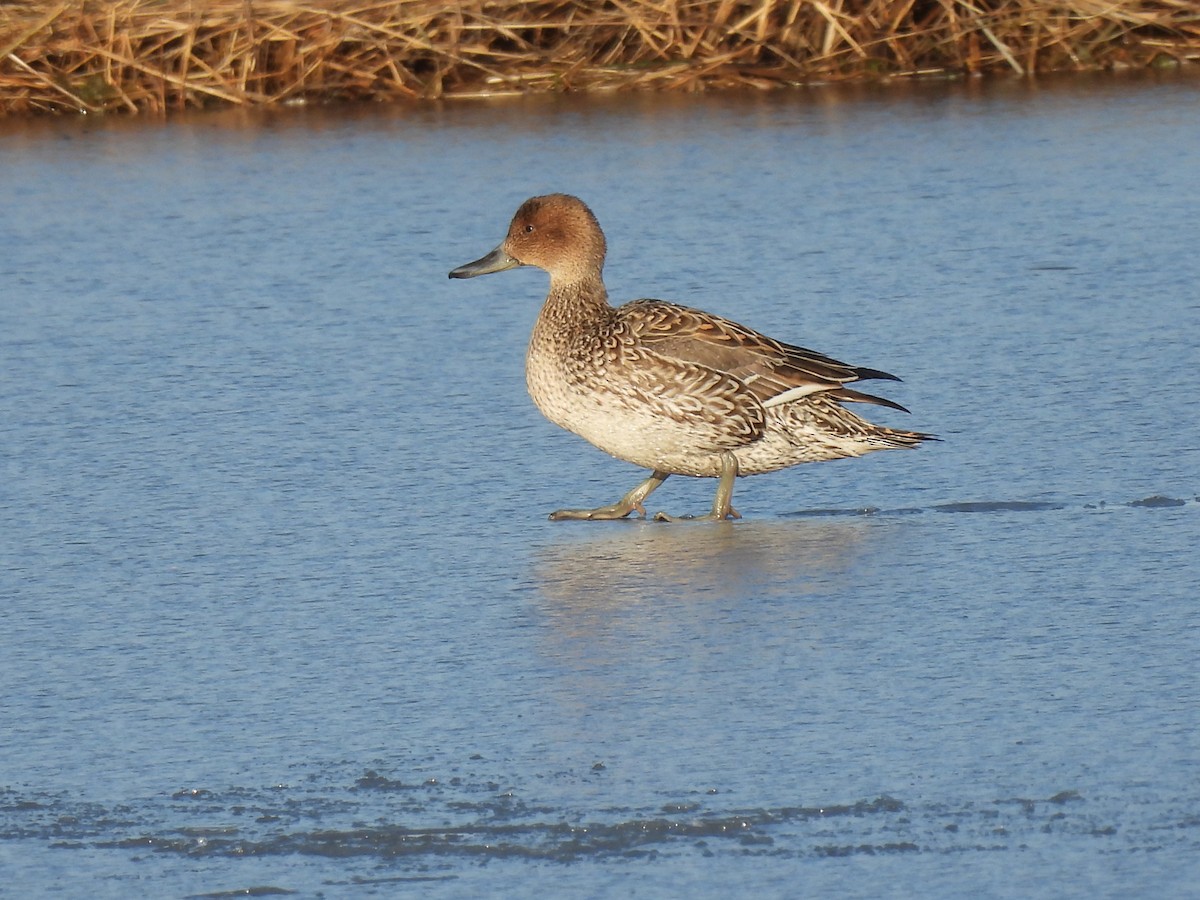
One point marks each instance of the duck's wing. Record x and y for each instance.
(774, 372)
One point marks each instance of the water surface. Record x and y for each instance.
(281, 609)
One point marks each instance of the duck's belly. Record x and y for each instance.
(636, 429)
(649, 442)
(646, 434)
(633, 435)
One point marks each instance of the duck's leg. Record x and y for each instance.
(629, 503)
(722, 507)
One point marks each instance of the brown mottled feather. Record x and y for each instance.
(766, 367)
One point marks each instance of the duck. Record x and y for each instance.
(670, 388)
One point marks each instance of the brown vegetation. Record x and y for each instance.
(160, 55)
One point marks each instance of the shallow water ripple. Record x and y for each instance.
(442, 824)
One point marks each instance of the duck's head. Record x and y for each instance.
(557, 233)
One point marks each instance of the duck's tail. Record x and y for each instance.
(892, 436)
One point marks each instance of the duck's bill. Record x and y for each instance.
(496, 261)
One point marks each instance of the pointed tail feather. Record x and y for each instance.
(866, 374)
(852, 396)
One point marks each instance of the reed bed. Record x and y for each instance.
(161, 55)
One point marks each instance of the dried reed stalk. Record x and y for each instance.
(160, 55)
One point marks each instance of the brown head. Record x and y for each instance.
(557, 233)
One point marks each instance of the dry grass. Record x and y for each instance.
(160, 55)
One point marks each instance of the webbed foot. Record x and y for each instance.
(714, 516)
(631, 502)
(722, 507)
(618, 510)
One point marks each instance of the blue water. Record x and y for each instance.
(281, 612)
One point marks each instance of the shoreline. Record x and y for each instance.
(157, 58)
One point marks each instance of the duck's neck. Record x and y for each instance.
(576, 304)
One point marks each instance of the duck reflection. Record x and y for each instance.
(646, 615)
(642, 561)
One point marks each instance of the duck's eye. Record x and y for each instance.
(529, 229)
